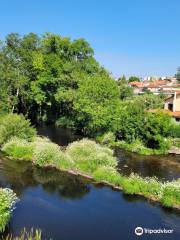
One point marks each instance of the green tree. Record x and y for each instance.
(122, 80)
(125, 91)
(134, 79)
(150, 101)
(97, 105)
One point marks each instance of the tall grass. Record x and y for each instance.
(88, 155)
(18, 148)
(108, 174)
(25, 235)
(7, 202)
(46, 152)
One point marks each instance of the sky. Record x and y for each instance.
(131, 37)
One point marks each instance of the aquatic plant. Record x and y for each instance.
(18, 148)
(13, 125)
(25, 235)
(7, 202)
(88, 155)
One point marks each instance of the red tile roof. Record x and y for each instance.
(136, 84)
(173, 114)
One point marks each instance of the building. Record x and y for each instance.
(172, 104)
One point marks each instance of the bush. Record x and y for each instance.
(18, 148)
(46, 152)
(88, 155)
(156, 128)
(106, 138)
(175, 130)
(13, 125)
(7, 203)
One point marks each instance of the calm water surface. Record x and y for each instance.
(163, 167)
(68, 208)
(71, 208)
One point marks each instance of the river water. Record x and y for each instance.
(65, 207)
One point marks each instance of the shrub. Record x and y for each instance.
(175, 130)
(156, 127)
(7, 203)
(88, 155)
(106, 138)
(18, 148)
(13, 125)
(46, 152)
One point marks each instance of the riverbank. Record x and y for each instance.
(139, 148)
(169, 145)
(93, 161)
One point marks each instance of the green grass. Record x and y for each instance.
(18, 148)
(135, 184)
(138, 147)
(88, 155)
(108, 174)
(7, 203)
(170, 193)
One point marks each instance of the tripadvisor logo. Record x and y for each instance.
(139, 231)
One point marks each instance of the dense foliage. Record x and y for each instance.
(39, 76)
(134, 79)
(57, 80)
(13, 125)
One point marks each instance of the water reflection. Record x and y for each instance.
(67, 207)
(20, 175)
(164, 167)
(61, 136)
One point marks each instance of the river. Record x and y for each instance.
(65, 207)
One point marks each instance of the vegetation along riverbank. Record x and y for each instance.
(55, 80)
(85, 157)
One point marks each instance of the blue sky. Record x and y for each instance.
(132, 37)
